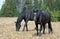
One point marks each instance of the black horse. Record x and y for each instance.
(26, 15)
(42, 17)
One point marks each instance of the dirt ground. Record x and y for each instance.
(7, 30)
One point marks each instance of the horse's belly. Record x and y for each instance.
(38, 22)
(31, 19)
(43, 22)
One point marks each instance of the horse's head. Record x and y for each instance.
(17, 26)
(35, 13)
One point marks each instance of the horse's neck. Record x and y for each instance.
(20, 18)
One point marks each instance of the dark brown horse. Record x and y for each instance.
(42, 18)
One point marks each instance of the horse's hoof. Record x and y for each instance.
(50, 32)
(39, 34)
(43, 32)
(35, 28)
(26, 30)
(17, 30)
(23, 30)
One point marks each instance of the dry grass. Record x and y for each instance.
(7, 30)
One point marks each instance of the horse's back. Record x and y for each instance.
(29, 14)
(45, 17)
(46, 13)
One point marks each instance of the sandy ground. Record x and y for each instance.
(7, 30)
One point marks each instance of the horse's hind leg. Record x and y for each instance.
(50, 27)
(43, 28)
(26, 27)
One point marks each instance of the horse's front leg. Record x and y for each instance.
(36, 27)
(40, 28)
(25, 26)
(50, 27)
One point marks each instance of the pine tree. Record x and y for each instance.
(9, 8)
